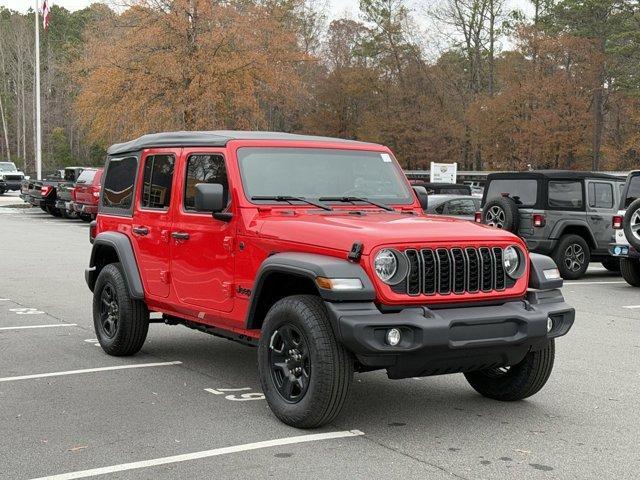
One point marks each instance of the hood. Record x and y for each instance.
(339, 230)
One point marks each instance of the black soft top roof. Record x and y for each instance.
(553, 174)
(218, 138)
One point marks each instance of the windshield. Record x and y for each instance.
(8, 167)
(319, 173)
(87, 176)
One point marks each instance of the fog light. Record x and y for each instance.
(393, 337)
(549, 324)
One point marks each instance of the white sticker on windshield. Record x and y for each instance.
(385, 157)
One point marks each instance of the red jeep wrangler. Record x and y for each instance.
(317, 251)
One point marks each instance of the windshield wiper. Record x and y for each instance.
(357, 199)
(289, 198)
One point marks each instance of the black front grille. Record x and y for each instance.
(13, 177)
(445, 271)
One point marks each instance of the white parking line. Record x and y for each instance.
(592, 283)
(204, 454)
(631, 307)
(87, 370)
(27, 327)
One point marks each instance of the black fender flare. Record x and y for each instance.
(124, 250)
(537, 278)
(560, 226)
(311, 266)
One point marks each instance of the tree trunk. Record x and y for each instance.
(4, 128)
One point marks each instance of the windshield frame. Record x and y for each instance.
(409, 201)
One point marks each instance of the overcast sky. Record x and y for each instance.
(337, 7)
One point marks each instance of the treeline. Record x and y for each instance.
(557, 89)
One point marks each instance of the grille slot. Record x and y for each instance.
(443, 271)
(413, 278)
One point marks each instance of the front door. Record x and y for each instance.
(202, 247)
(600, 210)
(152, 219)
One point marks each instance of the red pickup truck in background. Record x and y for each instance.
(87, 193)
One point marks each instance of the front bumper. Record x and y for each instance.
(10, 186)
(453, 339)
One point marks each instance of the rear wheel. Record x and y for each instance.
(53, 211)
(304, 371)
(121, 323)
(630, 269)
(85, 217)
(572, 256)
(517, 381)
(2, 191)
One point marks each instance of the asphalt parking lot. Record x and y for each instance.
(189, 405)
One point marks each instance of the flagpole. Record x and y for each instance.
(38, 115)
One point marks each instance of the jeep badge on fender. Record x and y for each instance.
(339, 271)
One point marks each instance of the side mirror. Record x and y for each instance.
(210, 198)
(423, 196)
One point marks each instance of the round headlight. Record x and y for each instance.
(385, 265)
(512, 262)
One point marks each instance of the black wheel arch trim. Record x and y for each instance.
(560, 227)
(310, 266)
(124, 250)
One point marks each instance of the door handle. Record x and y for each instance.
(180, 235)
(596, 218)
(140, 231)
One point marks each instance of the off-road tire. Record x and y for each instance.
(52, 211)
(612, 264)
(561, 256)
(630, 269)
(1, 191)
(519, 381)
(632, 210)
(509, 210)
(330, 364)
(132, 326)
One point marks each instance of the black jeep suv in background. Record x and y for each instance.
(565, 214)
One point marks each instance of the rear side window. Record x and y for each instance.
(156, 184)
(87, 176)
(523, 191)
(633, 192)
(565, 194)
(204, 168)
(600, 195)
(119, 183)
(70, 175)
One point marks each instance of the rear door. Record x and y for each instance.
(565, 201)
(601, 207)
(202, 262)
(152, 219)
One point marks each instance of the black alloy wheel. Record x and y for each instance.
(109, 311)
(574, 257)
(289, 362)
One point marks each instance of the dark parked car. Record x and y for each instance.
(44, 193)
(458, 206)
(442, 188)
(565, 214)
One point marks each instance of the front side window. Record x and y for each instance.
(119, 183)
(156, 184)
(461, 207)
(600, 195)
(204, 168)
(565, 194)
(523, 191)
(315, 173)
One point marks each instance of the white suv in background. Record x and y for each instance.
(10, 177)
(626, 224)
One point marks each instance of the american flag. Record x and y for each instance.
(46, 12)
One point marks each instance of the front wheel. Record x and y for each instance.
(304, 371)
(121, 323)
(517, 381)
(572, 256)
